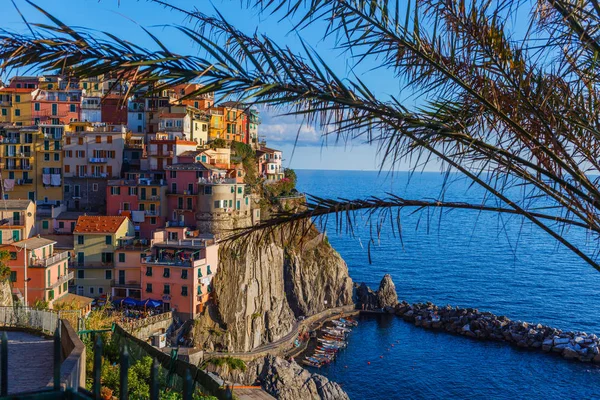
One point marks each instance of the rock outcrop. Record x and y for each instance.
(386, 295)
(261, 290)
(6, 299)
(283, 379)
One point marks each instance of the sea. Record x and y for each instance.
(463, 258)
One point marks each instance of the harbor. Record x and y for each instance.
(325, 342)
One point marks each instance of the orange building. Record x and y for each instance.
(38, 272)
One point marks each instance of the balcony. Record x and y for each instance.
(183, 243)
(49, 261)
(18, 167)
(89, 106)
(97, 160)
(7, 140)
(61, 280)
(125, 284)
(166, 261)
(217, 181)
(152, 213)
(6, 103)
(183, 192)
(23, 182)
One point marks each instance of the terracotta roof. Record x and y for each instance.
(268, 150)
(79, 301)
(191, 153)
(98, 224)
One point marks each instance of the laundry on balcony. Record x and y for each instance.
(46, 179)
(137, 216)
(9, 184)
(55, 179)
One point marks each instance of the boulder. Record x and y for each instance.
(386, 294)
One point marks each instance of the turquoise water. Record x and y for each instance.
(463, 258)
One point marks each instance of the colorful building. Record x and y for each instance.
(142, 200)
(96, 239)
(17, 161)
(270, 163)
(93, 155)
(56, 101)
(163, 151)
(128, 266)
(17, 220)
(179, 270)
(49, 174)
(38, 272)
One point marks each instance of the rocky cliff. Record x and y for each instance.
(283, 379)
(262, 289)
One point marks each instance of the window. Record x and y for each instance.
(73, 108)
(68, 140)
(51, 295)
(61, 225)
(80, 274)
(98, 139)
(13, 255)
(199, 272)
(108, 274)
(44, 224)
(54, 109)
(108, 239)
(218, 204)
(80, 258)
(167, 273)
(109, 139)
(184, 274)
(148, 271)
(4, 112)
(115, 190)
(199, 290)
(148, 288)
(91, 290)
(46, 156)
(121, 257)
(208, 270)
(13, 276)
(94, 187)
(167, 289)
(207, 189)
(153, 221)
(80, 141)
(239, 190)
(184, 291)
(17, 112)
(107, 258)
(17, 98)
(36, 106)
(139, 117)
(173, 174)
(56, 157)
(100, 290)
(67, 170)
(80, 239)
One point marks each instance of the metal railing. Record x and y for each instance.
(26, 317)
(62, 279)
(45, 262)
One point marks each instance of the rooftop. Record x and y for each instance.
(33, 243)
(197, 166)
(79, 301)
(73, 214)
(267, 150)
(98, 224)
(15, 204)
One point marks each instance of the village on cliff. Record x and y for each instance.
(115, 194)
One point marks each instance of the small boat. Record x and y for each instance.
(311, 364)
(349, 321)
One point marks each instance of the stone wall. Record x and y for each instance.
(89, 200)
(144, 328)
(72, 369)
(219, 222)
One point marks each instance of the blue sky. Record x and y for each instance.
(124, 18)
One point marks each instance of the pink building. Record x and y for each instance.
(56, 102)
(182, 191)
(140, 200)
(179, 270)
(163, 151)
(127, 279)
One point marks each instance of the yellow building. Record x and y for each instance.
(17, 161)
(15, 106)
(95, 241)
(217, 125)
(31, 163)
(49, 165)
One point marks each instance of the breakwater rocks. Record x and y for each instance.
(487, 326)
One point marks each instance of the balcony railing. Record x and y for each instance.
(185, 242)
(48, 261)
(21, 182)
(61, 280)
(217, 181)
(97, 160)
(10, 140)
(172, 262)
(125, 284)
(171, 224)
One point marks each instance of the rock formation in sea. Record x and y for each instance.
(285, 380)
(386, 295)
(262, 289)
